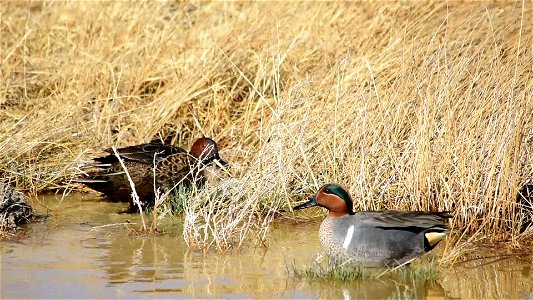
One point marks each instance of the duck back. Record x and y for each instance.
(383, 238)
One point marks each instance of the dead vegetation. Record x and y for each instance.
(414, 106)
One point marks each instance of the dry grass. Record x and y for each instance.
(412, 105)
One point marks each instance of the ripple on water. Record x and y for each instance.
(72, 255)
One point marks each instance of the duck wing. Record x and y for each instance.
(391, 219)
(143, 153)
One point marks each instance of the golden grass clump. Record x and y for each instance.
(419, 106)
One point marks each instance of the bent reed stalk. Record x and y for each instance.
(413, 106)
(134, 195)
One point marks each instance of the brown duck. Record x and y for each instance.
(152, 163)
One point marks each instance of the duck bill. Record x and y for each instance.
(312, 202)
(222, 165)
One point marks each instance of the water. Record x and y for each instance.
(75, 254)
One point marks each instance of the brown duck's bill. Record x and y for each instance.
(312, 202)
(222, 165)
(219, 162)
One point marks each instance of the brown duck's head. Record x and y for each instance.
(205, 150)
(334, 198)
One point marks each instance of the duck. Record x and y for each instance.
(151, 166)
(14, 208)
(374, 238)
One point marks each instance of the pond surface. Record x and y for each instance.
(74, 254)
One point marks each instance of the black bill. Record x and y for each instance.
(312, 202)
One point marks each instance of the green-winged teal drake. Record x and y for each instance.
(374, 238)
(174, 166)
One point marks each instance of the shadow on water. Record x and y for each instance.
(74, 254)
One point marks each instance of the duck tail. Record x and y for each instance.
(97, 184)
(434, 235)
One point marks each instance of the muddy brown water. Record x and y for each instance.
(73, 254)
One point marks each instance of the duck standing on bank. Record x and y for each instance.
(374, 238)
(153, 163)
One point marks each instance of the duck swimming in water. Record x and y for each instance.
(149, 164)
(374, 238)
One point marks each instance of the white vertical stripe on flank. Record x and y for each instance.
(348, 238)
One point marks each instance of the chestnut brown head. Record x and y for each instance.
(334, 198)
(205, 150)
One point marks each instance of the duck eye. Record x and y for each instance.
(327, 191)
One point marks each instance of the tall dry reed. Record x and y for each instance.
(421, 106)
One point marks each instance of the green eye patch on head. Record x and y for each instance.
(335, 189)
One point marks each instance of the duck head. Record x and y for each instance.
(334, 198)
(206, 151)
